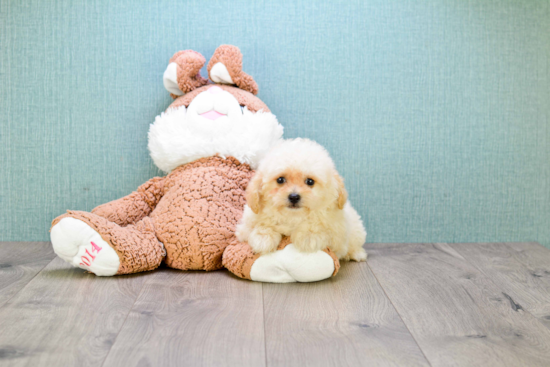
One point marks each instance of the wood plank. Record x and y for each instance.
(521, 270)
(458, 316)
(193, 319)
(19, 263)
(343, 321)
(66, 317)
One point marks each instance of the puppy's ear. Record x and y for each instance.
(342, 193)
(253, 193)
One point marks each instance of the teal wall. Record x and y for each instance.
(437, 113)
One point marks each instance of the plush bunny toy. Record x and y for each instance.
(209, 140)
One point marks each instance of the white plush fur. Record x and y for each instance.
(322, 218)
(181, 135)
(219, 74)
(290, 265)
(170, 79)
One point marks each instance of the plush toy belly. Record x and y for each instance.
(196, 217)
(286, 265)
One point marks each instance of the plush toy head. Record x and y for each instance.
(207, 118)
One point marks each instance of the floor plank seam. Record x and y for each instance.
(398, 314)
(122, 325)
(263, 316)
(30, 280)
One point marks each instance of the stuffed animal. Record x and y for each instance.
(285, 265)
(209, 140)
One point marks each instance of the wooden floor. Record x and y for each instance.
(411, 305)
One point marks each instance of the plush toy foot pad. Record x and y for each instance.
(285, 265)
(78, 244)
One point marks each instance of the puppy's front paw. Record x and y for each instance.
(310, 242)
(264, 240)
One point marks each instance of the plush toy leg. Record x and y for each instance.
(104, 248)
(238, 258)
(285, 265)
(78, 244)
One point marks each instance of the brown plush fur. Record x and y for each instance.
(244, 98)
(134, 207)
(193, 212)
(189, 65)
(232, 58)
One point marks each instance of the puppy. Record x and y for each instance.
(297, 192)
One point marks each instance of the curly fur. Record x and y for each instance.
(322, 218)
(231, 57)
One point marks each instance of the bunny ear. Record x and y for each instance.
(183, 73)
(226, 66)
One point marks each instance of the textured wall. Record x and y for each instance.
(437, 113)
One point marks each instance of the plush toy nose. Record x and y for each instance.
(215, 90)
(294, 198)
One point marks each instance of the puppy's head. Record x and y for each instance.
(296, 176)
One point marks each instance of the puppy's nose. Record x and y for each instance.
(294, 198)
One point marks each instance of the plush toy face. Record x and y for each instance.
(208, 119)
(214, 105)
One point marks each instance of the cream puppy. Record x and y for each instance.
(297, 192)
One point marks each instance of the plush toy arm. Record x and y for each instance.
(285, 265)
(134, 207)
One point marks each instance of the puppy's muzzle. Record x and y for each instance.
(294, 199)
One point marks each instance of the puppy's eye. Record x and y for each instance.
(281, 180)
(310, 182)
